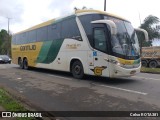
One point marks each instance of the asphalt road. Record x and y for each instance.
(59, 91)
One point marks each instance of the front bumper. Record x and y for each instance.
(5, 61)
(119, 71)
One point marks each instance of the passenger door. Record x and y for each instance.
(100, 53)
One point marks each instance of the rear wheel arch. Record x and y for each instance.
(77, 68)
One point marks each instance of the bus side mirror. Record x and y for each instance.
(144, 32)
(110, 23)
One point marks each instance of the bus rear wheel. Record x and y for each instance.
(20, 62)
(77, 70)
(25, 64)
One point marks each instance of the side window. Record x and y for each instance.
(70, 29)
(100, 39)
(32, 36)
(18, 39)
(14, 39)
(86, 22)
(42, 34)
(23, 38)
(54, 31)
(87, 25)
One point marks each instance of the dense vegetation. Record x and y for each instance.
(151, 25)
(5, 43)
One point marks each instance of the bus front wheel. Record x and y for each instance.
(77, 70)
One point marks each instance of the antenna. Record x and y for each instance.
(8, 36)
(139, 18)
(104, 5)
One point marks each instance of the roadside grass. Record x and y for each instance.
(9, 104)
(150, 70)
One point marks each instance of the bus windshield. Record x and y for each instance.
(125, 42)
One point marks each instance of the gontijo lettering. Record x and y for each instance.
(27, 47)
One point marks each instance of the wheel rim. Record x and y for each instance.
(77, 69)
(144, 64)
(153, 65)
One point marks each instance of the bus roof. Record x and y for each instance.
(77, 12)
(100, 12)
(37, 26)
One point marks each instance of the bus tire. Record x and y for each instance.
(153, 64)
(20, 62)
(77, 69)
(25, 64)
(144, 63)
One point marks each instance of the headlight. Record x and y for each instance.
(115, 62)
(1, 59)
(119, 64)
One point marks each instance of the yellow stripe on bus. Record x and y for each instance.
(30, 51)
(126, 62)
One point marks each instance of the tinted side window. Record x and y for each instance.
(32, 36)
(23, 38)
(18, 39)
(14, 39)
(70, 29)
(54, 31)
(87, 25)
(42, 34)
(100, 39)
(86, 22)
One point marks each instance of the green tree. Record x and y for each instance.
(150, 24)
(5, 43)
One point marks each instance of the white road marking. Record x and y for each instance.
(60, 77)
(145, 78)
(122, 89)
(117, 88)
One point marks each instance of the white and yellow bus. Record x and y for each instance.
(87, 42)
